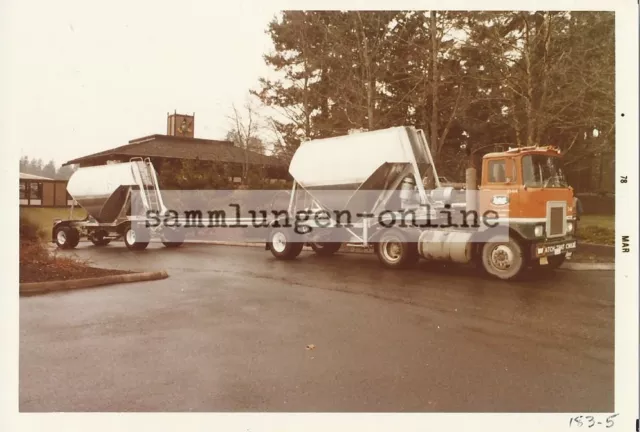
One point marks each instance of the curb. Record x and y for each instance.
(597, 249)
(354, 249)
(34, 288)
(588, 266)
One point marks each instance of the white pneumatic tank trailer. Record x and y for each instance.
(105, 192)
(378, 177)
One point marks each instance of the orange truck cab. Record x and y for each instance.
(526, 187)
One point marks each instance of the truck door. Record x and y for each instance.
(498, 179)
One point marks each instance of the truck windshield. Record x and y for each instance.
(542, 171)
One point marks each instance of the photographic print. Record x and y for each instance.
(256, 208)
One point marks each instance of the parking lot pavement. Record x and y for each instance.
(233, 329)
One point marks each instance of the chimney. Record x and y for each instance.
(181, 125)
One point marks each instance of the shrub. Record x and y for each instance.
(30, 231)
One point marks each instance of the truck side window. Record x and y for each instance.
(497, 171)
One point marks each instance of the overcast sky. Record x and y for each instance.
(89, 76)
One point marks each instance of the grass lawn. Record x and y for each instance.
(43, 217)
(597, 229)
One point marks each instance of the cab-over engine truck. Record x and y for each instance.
(522, 189)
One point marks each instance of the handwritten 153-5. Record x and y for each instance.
(591, 421)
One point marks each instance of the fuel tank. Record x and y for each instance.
(445, 245)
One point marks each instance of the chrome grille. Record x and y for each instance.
(556, 218)
(556, 221)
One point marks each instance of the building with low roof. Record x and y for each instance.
(38, 191)
(180, 144)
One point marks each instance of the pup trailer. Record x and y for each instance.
(106, 193)
(379, 177)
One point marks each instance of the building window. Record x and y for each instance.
(24, 196)
(36, 193)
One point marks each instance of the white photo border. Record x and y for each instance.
(626, 275)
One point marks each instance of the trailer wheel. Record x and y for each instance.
(282, 244)
(67, 237)
(503, 259)
(325, 248)
(173, 238)
(394, 251)
(98, 239)
(134, 238)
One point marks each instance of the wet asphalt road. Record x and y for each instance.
(229, 330)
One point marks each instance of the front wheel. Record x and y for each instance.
(67, 237)
(283, 244)
(503, 259)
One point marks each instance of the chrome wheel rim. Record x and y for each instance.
(391, 250)
(279, 242)
(131, 236)
(502, 257)
(61, 237)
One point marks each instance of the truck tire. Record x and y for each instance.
(394, 251)
(134, 240)
(282, 245)
(325, 248)
(503, 259)
(98, 239)
(67, 237)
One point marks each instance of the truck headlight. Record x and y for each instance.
(538, 231)
(569, 227)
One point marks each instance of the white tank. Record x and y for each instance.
(102, 190)
(350, 160)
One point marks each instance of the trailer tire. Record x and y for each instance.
(172, 238)
(325, 248)
(503, 259)
(394, 251)
(97, 238)
(67, 237)
(133, 240)
(282, 245)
